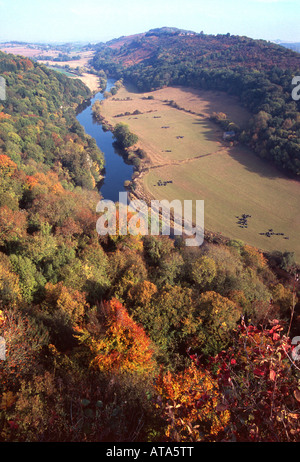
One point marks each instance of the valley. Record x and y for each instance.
(184, 146)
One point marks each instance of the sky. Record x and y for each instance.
(99, 21)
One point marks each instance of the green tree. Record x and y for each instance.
(123, 136)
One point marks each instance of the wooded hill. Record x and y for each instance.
(258, 72)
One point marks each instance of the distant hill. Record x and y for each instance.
(258, 72)
(163, 31)
(218, 50)
(291, 46)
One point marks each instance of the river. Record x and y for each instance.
(116, 170)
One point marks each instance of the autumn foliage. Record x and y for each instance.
(192, 405)
(246, 393)
(124, 346)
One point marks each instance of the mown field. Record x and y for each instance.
(187, 149)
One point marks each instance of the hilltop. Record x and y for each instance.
(179, 45)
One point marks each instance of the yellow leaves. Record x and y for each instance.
(191, 402)
(2, 318)
(45, 183)
(8, 399)
(4, 116)
(143, 292)
(7, 166)
(70, 301)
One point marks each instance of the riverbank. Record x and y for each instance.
(91, 81)
(116, 170)
(189, 160)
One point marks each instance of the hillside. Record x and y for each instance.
(126, 338)
(259, 73)
(187, 46)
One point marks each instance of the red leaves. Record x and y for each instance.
(274, 332)
(13, 425)
(254, 375)
(259, 372)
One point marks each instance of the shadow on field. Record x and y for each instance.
(219, 101)
(210, 131)
(255, 164)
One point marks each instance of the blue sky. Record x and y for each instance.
(96, 20)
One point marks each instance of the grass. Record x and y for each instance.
(229, 189)
(230, 179)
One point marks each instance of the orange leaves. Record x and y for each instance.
(4, 116)
(45, 183)
(254, 257)
(69, 301)
(8, 399)
(26, 64)
(13, 225)
(142, 292)
(31, 182)
(124, 347)
(2, 318)
(192, 405)
(7, 166)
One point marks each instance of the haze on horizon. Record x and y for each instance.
(96, 21)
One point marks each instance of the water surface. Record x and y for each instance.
(116, 170)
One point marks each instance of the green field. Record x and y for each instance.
(232, 185)
(230, 179)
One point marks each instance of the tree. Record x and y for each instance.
(216, 317)
(257, 379)
(123, 346)
(191, 405)
(123, 136)
(70, 302)
(13, 225)
(203, 271)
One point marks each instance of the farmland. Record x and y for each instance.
(77, 58)
(184, 146)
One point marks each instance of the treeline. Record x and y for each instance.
(127, 338)
(257, 72)
(60, 58)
